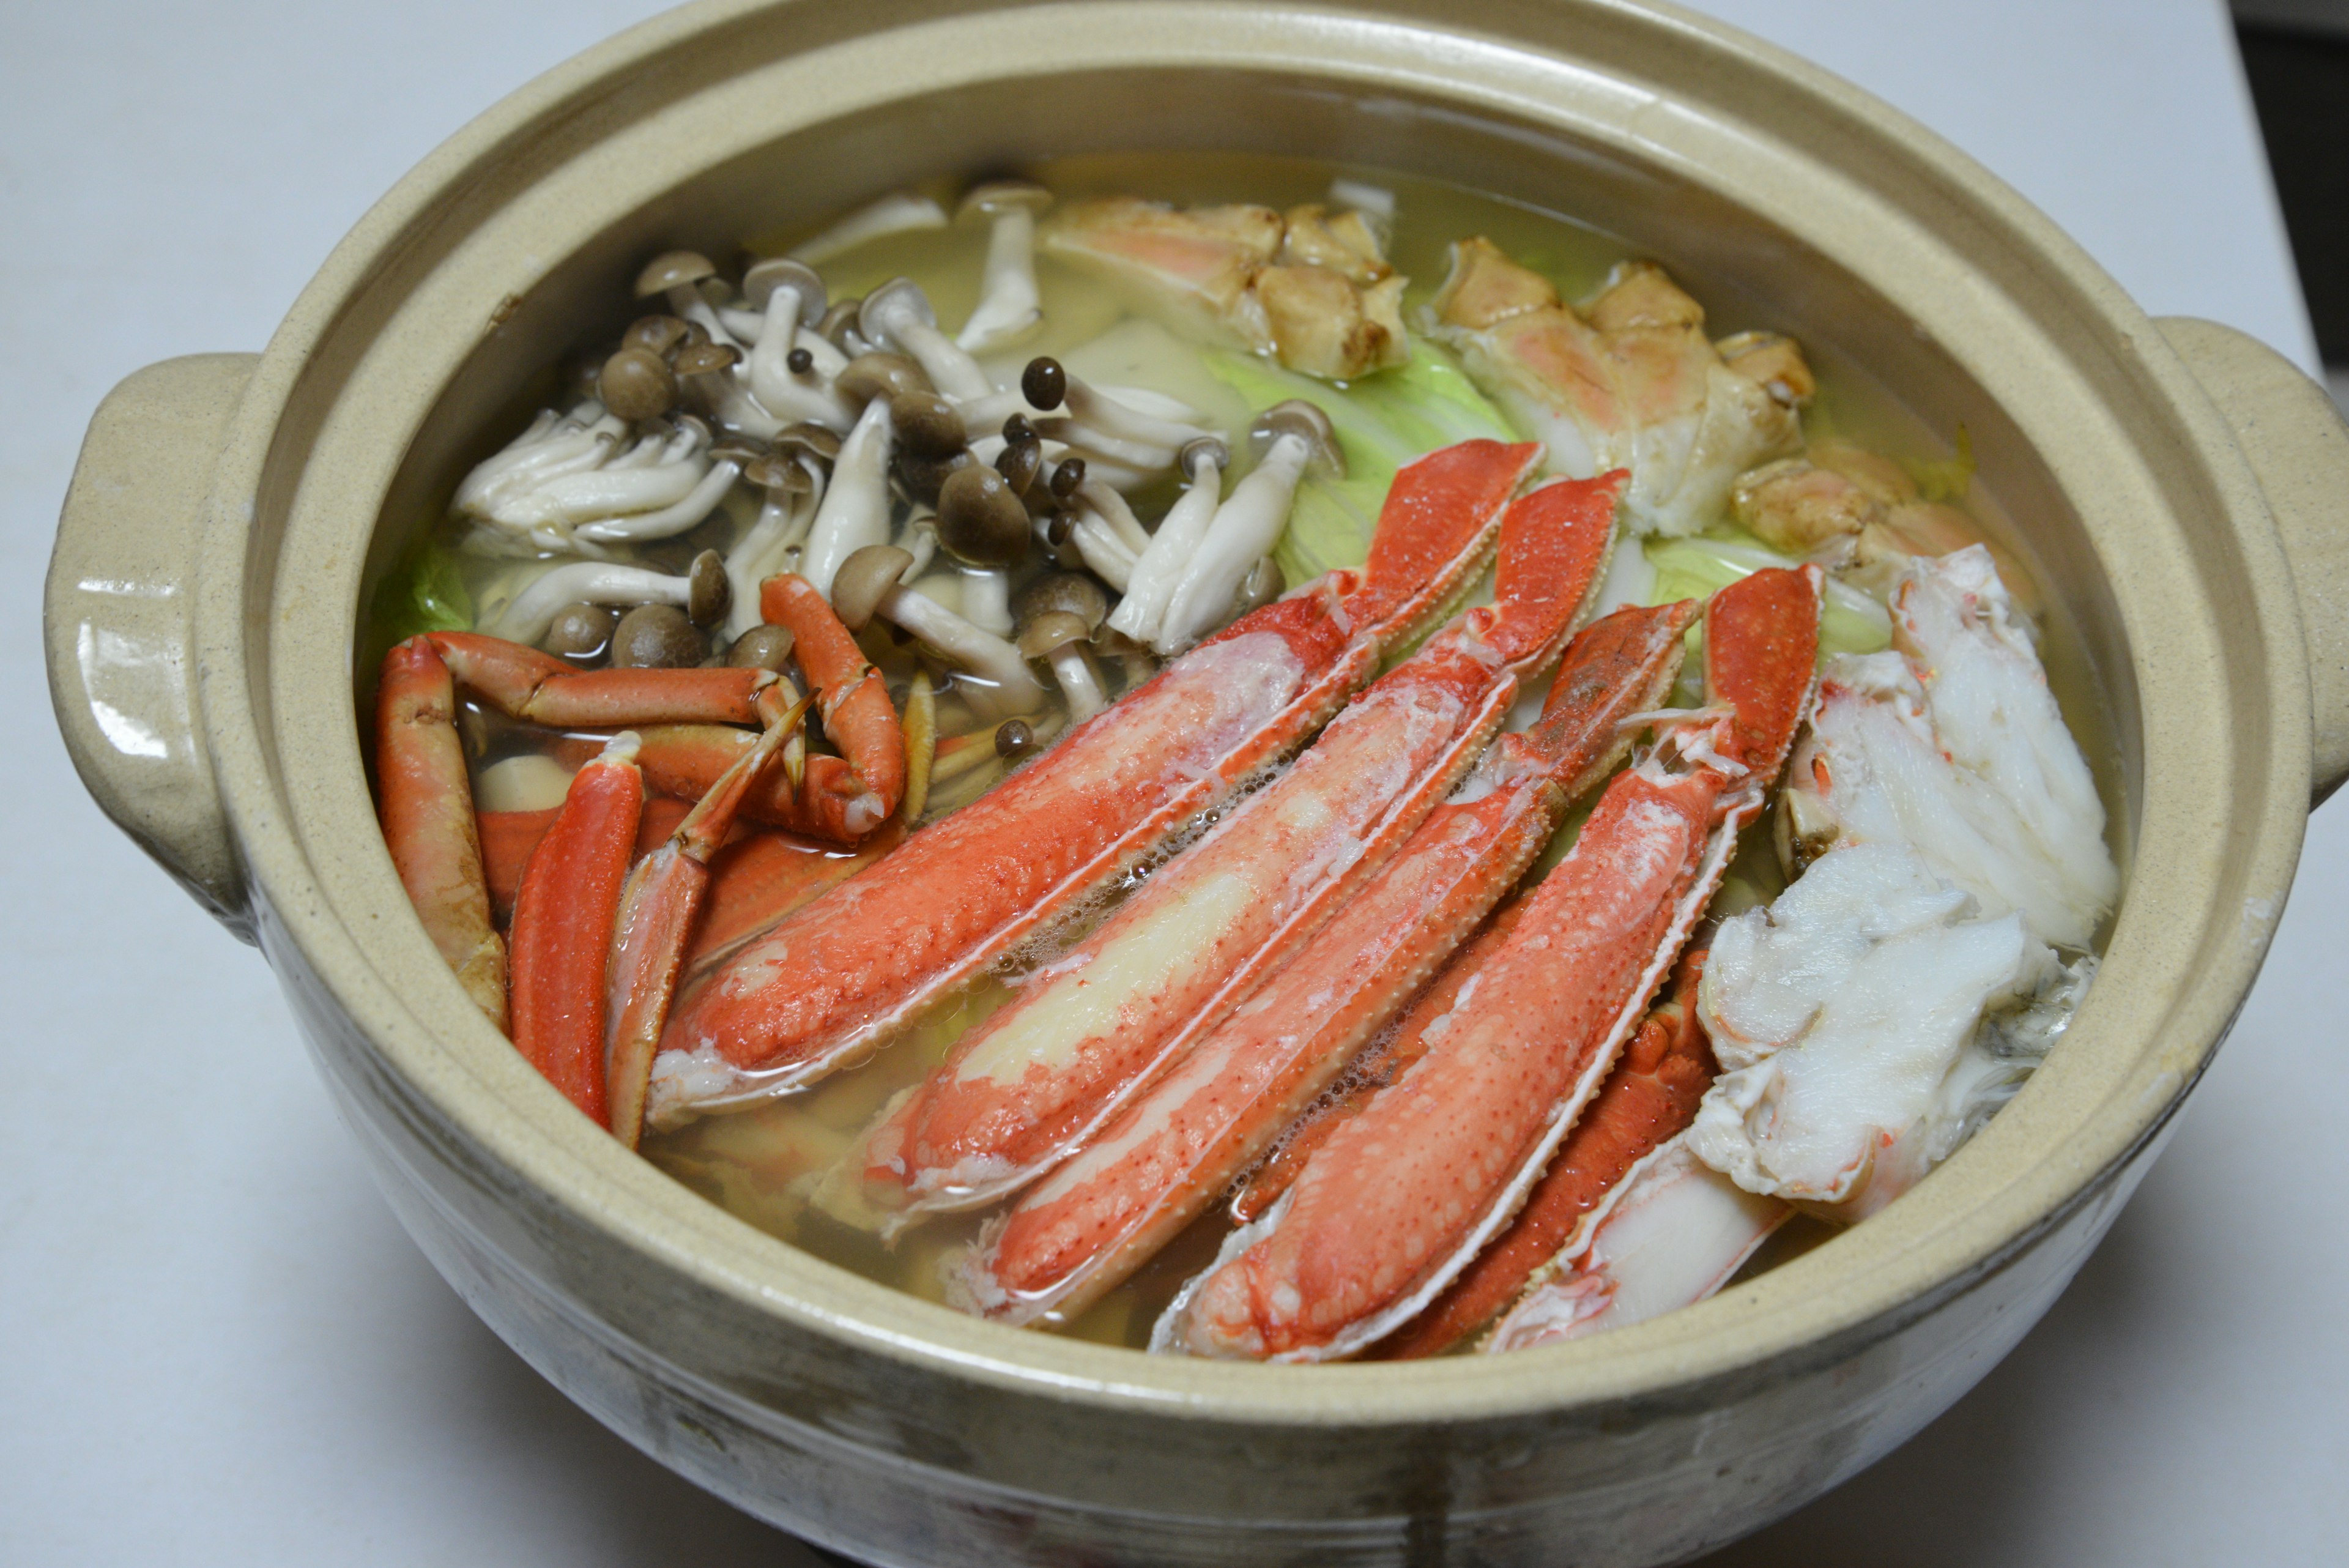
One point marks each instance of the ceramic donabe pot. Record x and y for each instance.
(2172, 482)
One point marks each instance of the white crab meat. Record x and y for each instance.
(1630, 381)
(1670, 1233)
(1953, 745)
(1839, 1012)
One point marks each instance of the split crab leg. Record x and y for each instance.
(1032, 1082)
(655, 919)
(1646, 1101)
(841, 975)
(1401, 1198)
(1182, 1141)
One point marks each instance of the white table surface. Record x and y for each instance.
(215, 1344)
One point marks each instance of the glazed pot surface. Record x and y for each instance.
(812, 1398)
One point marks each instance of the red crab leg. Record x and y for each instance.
(508, 838)
(1649, 1098)
(844, 973)
(524, 683)
(1030, 1085)
(754, 878)
(563, 925)
(684, 760)
(856, 714)
(1163, 1161)
(1401, 1198)
(656, 918)
(427, 819)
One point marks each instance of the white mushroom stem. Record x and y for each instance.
(688, 512)
(584, 582)
(1001, 683)
(789, 398)
(950, 368)
(919, 539)
(855, 509)
(1103, 552)
(759, 554)
(731, 403)
(1139, 614)
(987, 598)
(1245, 529)
(1111, 507)
(1007, 307)
(553, 445)
(893, 214)
(686, 302)
(1136, 414)
(1073, 672)
(1118, 417)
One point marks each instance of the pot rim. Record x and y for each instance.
(1867, 1283)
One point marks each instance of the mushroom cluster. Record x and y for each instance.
(978, 532)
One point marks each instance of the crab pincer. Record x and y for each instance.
(841, 975)
(1399, 1198)
(1033, 1082)
(1183, 1138)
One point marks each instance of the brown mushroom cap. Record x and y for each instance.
(871, 376)
(1052, 630)
(837, 320)
(700, 359)
(1061, 593)
(1020, 463)
(898, 295)
(980, 521)
(580, 632)
(922, 478)
(657, 637)
(926, 424)
(658, 333)
(868, 574)
(808, 439)
(767, 646)
(1014, 739)
(708, 592)
(759, 285)
(1298, 418)
(993, 196)
(673, 269)
(772, 471)
(636, 384)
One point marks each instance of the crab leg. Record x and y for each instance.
(427, 819)
(844, 973)
(524, 683)
(842, 803)
(1401, 1198)
(1647, 1101)
(1671, 1232)
(563, 924)
(510, 837)
(1031, 1084)
(1161, 1162)
(655, 922)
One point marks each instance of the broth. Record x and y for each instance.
(760, 1163)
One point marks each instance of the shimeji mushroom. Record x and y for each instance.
(983, 524)
(1096, 544)
(791, 296)
(702, 593)
(867, 585)
(678, 276)
(1112, 427)
(794, 481)
(898, 316)
(1290, 438)
(1179, 535)
(555, 444)
(1008, 308)
(565, 494)
(1056, 617)
(855, 513)
(893, 214)
(710, 374)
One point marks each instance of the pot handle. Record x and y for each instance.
(2286, 427)
(118, 623)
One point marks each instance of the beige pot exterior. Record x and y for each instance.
(220, 533)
